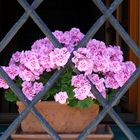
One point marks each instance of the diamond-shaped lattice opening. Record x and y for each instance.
(64, 15)
(8, 20)
(103, 102)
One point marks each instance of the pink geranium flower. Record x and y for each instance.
(59, 57)
(61, 97)
(12, 71)
(30, 89)
(3, 84)
(82, 92)
(16, 56)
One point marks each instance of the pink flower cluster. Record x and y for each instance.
(104, 65)
(43, 56)
(118, 78)
(106, 61)
(31, 89)
(69, 39)
(12, 71)
(83, 88)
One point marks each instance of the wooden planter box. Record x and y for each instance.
(103, 132)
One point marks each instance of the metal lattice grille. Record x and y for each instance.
(107, 106)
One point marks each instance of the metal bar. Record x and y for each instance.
(112, 113)
(116, 118)
(25, 112)
(43, 94)
(94, 31)
(8, 37)
(92, 125)
(22, 115)
(108, 106)
(114, 22)
(40, 23)
(100, 21)
(81, 43)
(122, 125)
(126, 86)
(39, 97)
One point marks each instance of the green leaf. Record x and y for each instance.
(18, 82)
(85, 103)
(45, 77)
(50, 94)
(71, 95)
(111, 93)
(73, 103)
(46, 97)
(10, 96)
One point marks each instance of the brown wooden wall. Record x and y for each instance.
(134, 30)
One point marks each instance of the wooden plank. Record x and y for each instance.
(119, 17)
(138, 116)
(132, 93)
